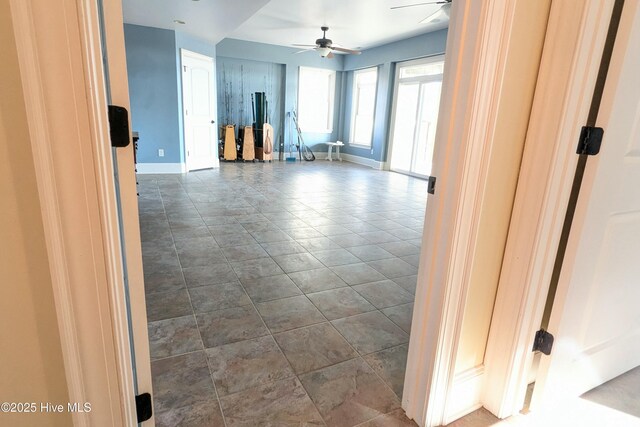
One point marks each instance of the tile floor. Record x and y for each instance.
(280, 294)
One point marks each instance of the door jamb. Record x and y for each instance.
(477, 46)
(74, 174)
(119, 90)
(567, 74)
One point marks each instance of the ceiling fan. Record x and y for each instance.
(325, 46)
(440, 15)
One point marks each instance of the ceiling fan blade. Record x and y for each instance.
(345, 50)
(418, 4)
(438, 16)
(302, 51)
(304, 45)
(331, 55)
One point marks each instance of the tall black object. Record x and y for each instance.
(260, 101)
(260, 118)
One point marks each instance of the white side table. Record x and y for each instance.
(330, 146)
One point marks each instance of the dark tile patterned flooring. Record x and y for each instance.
(280, 294)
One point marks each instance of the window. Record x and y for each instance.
(363, 106)
(420, 70)
(316, 92)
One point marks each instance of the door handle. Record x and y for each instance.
(213, 121)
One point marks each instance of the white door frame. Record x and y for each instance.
(119, 89)
(396, 84)
(477, 45)
(184, 53)
(60, 59)
(567, 76)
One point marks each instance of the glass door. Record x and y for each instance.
(415, 116)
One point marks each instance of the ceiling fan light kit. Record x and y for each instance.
(325, 46)
(324, 51)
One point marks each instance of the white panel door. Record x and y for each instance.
(596, 313)
(199, 111)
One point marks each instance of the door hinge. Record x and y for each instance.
(590, 140)
(118, 126)
(543, 342)
(431, 185)
(144, 407)
(185, 68)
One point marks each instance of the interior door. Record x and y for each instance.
(595, 316)
(199, 110)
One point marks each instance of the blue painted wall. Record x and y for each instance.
(238, 79)
(248, 53)
(155, 89)
(154, 64)
(153, 92)
(384, 58)
(412, 48)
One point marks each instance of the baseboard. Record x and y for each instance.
(362, 161)
(351, 159)
(465, 394)
(147, 168)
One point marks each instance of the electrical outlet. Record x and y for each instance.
(161, 153)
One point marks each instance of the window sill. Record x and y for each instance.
(362, 146)
(325, 131)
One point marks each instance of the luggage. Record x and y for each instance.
(267, 144)
(230, 152)
(248, 149)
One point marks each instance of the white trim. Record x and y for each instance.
(119, 90)
(375, 164)
(355, 102)
(25, 38)
(190, 162)
(146, 168)
(195, 55)
(94, 80)
(476, 50)
(332, 99)
(466, 394)
(66, 110)
(567, 76)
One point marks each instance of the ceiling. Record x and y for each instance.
(352, 23)
(210, 20)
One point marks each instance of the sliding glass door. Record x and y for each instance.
(415, 115)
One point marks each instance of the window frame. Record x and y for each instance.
(354, 104)
(331, 76)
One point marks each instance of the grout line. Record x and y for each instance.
(306, 211)
(215, 389)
